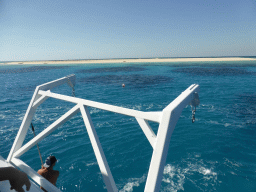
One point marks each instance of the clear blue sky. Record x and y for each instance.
(97, 29)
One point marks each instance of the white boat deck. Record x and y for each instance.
(5, 185)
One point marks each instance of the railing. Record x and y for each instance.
(167, 119)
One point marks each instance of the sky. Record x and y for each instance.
(104, 29)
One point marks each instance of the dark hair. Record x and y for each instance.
(50, 161)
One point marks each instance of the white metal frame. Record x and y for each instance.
(167, 120)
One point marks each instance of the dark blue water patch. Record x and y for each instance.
(177, 64)
(30, 69)
(244, 107)
(20, 90)
(202, 64)
(112, 69)
(224, 71)
(213, 64)
(135, 80)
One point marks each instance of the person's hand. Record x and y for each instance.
(19, 179)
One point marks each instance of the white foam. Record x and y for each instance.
(2, 116)
(150, 106)
(206, 171)
(175, 176)
(90, 164)
(218, 123)
(227, 124)
(71, 167)
(137, 107)
(213, 122)
(58, 134)
(133, 182)
(94, 110)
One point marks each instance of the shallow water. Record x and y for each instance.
(216, 153)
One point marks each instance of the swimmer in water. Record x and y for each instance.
(47, 170)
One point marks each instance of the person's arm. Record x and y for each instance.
(16, 178)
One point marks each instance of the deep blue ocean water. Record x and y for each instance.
(216, 153)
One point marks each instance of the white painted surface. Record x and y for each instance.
(5, 185)
(167, 120)
(98, 151)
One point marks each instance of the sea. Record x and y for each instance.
(215, 153)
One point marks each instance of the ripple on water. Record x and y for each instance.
(112, 69)
(133, 182)
(244, 107)
(215, 71)
(135, 80)
(30, 69)
(192, 172)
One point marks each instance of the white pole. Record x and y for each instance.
(98, 151)
(167, 124)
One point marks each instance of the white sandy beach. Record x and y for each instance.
(153, 60)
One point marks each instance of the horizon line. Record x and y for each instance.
(125, 58)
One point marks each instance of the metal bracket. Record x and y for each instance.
(194, 103)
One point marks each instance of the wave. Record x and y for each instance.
(191, 171)
(133, 182)
(194, 172)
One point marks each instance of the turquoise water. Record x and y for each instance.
(216, 153)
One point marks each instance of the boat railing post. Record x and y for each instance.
(24, 126)
(98, 151)
(37, 100)
(167, 124)
(73, 111)
(160, 151)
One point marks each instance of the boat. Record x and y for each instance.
(167, 119)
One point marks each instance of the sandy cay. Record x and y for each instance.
(154, 60)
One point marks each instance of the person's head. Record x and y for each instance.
(50, 161)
